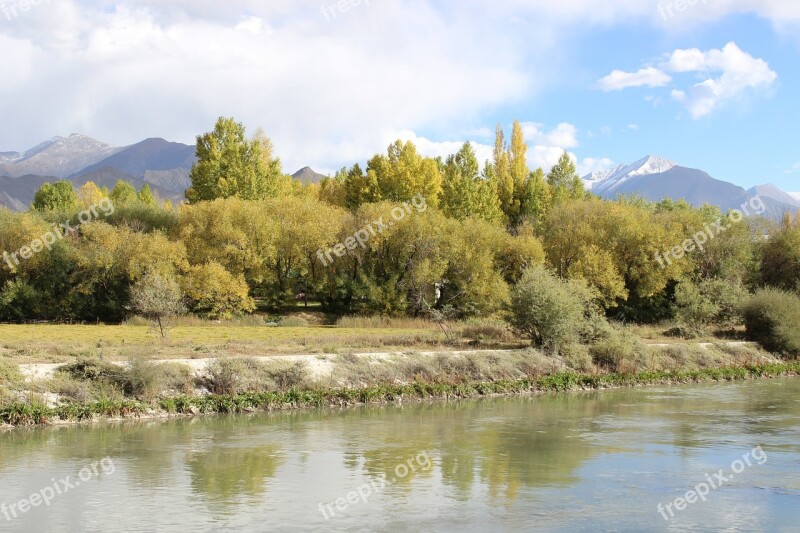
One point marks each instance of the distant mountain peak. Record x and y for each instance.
(606, 181)
(308, 175)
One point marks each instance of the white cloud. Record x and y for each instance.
(326, 91)
(565, 135)
(441, 149)
(590, 164)
(645, 77)
(739, 74)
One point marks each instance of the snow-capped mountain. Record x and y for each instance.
(656, 178)
(605, 182)
(795, 195)
(58, 157)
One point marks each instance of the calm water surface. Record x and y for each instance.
(588, 461)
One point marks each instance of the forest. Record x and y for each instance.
(408, 235)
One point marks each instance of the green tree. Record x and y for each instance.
(146, 195)
(228, 165)
(781, 257)
(464, 192)
(124, 193)
(564, 180)
(501, 173)
(403, 174)
(549, 310)
(58, 196)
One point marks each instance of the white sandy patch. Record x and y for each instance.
(318, 365)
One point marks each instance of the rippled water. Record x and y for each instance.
(587, 461)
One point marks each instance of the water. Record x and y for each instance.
(586, 461)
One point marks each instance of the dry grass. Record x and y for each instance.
(379, 322)
(361, 371)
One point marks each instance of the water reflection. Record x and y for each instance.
(567, 461)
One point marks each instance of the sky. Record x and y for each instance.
(709, 84)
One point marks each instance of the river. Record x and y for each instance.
(620, 460)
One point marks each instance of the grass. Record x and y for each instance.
(193, 338)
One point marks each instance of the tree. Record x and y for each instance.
(537, 199)
(90, 194)
(216, 293)
(123, 194)
(464, 192)
(58, 196)
(501, 172)
(146, 196)
(781, 257)
(229, 165)
(157, 298)
(277, 184)
(564, 180)
(403, 174)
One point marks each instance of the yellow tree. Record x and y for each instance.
(90, 194)
(403, 174)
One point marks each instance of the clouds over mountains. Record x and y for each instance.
(730, 73)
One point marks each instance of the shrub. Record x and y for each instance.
(620, 352)
(577, 357)
(772, 318)
(551, 311)
(227, 376)
(293, 322)
(289, 377)
(92, 369)
(712, 302)
(142, 379)
(9, 374)
(487, 331)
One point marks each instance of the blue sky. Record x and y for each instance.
(712, 86)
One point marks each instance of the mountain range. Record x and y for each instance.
(165, 167)
(656, 178)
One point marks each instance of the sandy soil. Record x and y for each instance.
(319, 365)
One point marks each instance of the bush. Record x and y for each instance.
(620, 352)
(293, 322)
(551, 311)
(9, 374)
(772, 318)
(289, 377)
(709, 303)
(577, 357)
(91, 369)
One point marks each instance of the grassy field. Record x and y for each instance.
(21, 344)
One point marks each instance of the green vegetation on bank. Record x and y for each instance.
(29, 413)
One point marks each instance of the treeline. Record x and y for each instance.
(467, 234)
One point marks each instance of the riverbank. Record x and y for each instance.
(455, 380)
